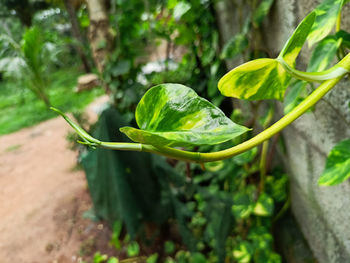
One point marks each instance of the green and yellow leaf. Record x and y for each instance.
(338, 165)
(324, 54)
(326, 17)
(293, 46)
(174, 115)
(256, 80)
(264, 206)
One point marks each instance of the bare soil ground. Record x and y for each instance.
(43, 197)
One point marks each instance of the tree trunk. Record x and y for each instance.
(101, 39)
(77, 34)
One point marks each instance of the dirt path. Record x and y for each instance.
(42, 197)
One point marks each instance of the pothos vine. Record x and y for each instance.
(173, 115)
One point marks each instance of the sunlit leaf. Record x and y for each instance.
(262, 11)
(174, 115)
(326, 18)
(324, 54)
(180, 9)
(338, 165)
(293, 46)
(243, 252)
(133, 249)
(255, 80)
(152, 258)
(264, 206)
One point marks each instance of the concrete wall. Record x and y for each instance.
(322, 212)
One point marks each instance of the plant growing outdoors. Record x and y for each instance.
(28, 62)
(173, 115)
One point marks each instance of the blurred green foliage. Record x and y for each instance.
(20, 108)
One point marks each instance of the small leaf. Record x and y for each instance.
(180, 9)
(169, 247)
(264, 206)
(294, 44)
(337, 166)
(133, 249)
(246, 157)
(324, 54)
(242, 205)
(262, 11)
(261, 237)
(113, 260)
(326, 18)
(345, 36)
(197, 258)
(235, 46)
(152, 258)
(174, 115)
(294, 95)
(255, 80)
(243, 252)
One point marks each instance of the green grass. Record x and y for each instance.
(19, 108)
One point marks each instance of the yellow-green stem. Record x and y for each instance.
(304, 106)
(338, 23)
(262, 164)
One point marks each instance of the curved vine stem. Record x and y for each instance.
(188, 156)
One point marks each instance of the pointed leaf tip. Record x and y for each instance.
(255, 80)
(174, 115)
(337, 166)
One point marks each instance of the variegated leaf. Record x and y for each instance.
(324, 54)
(174, 115)
(256, 80)
(293, 46)
(326, 17)
(338, 165)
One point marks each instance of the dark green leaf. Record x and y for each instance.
(174, 115)
(327, 13)
(262, 11)
(338, 165)
(255, 80)
(345, 36)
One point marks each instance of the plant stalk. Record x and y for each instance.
(188, 156)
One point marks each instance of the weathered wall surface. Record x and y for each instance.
(322, 212)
